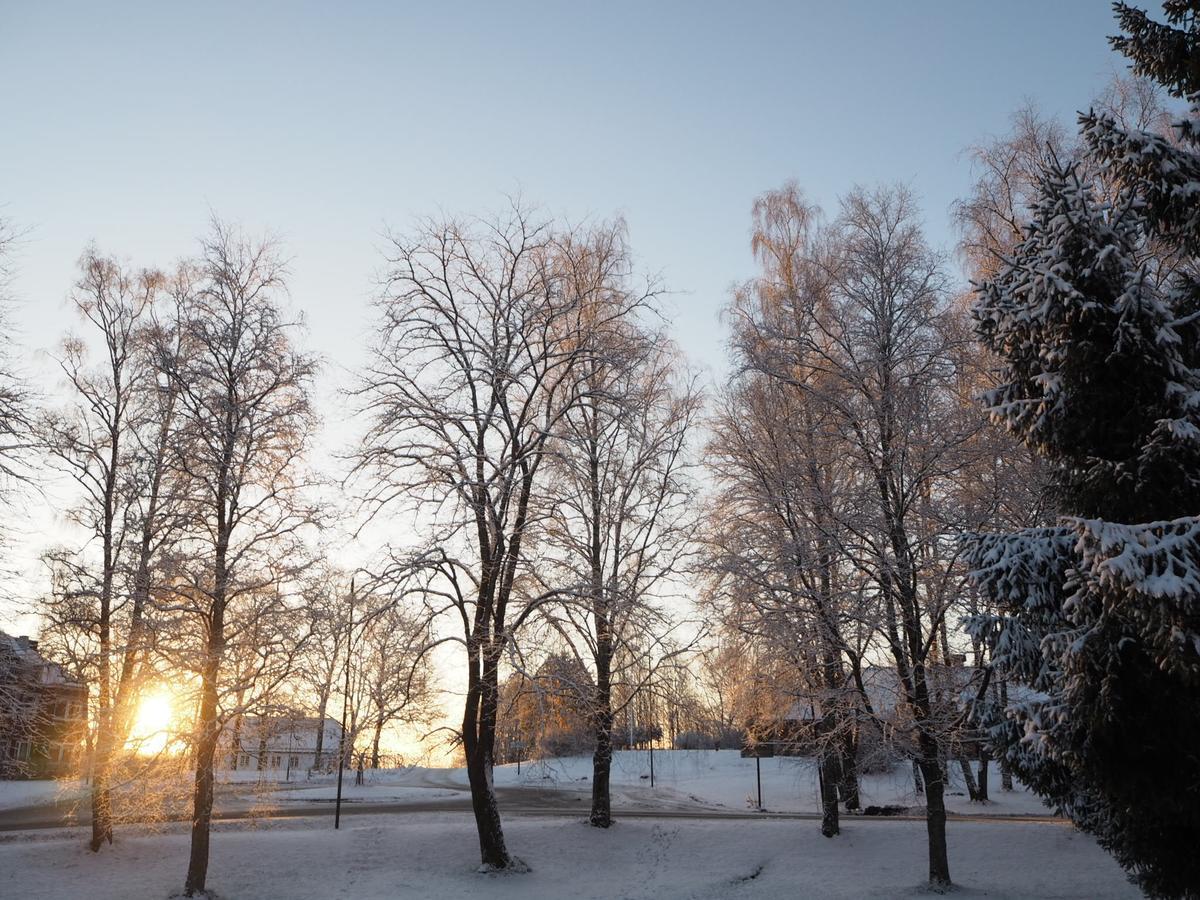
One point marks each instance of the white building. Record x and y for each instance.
(279, 744)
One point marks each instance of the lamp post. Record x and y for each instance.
(337, 807)
(758, 776)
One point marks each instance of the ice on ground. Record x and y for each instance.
(436, 855)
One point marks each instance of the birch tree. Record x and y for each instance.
(244, 397)
(112, 439)
(868, 349)
(779, 539)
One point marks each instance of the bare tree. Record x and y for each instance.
(620, 518)
(244, 407)
(97, 439)
(16, 414)
(17, 442)
(892, 355)
(1008, 168)
(324, 600)
(872, 350)
(396, 674)
(780, 573)
(475, 365)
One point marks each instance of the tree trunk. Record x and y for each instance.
(935, 813)
(202, 801)
(918, 781)
(601, 815)
(479, 739)
(321, 708)
(207, 725)
(602, 716)
(848, 787)
(101, 793)
(830, 777)
(968, 778)
(375, 744)
(984, 761)
(102, 829)
(1006, 782)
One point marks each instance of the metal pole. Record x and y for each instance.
(758, 774)
(337, 807)
(651, 762)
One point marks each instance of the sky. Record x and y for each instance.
(129, 124)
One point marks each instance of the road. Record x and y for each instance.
(514, 801)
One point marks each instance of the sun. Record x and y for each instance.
(151, 730)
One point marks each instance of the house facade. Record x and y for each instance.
(279, 744)
(43, 713)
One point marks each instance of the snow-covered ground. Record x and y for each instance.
(14, 794)
(682, 778)
(434, 855)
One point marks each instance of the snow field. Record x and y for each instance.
(436, 855)
(682, 779)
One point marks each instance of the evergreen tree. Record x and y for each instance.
(1096, 318)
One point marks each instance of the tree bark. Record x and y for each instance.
(984, 761)
(479, 739)
(375, 744)
(848, 787)
(1006, 782)
(601, 815)
(101, 793)
(102, 829)
(206, 747)
(208, 725)
(969, 778)
(320, 748)
(935, 812)
(830, 777)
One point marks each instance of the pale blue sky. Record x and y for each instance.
(126, 123)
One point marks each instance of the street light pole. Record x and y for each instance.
(337, 808)
(758, 775)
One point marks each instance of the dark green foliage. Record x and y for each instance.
(1096, 318)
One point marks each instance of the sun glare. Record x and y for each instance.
(151, 730)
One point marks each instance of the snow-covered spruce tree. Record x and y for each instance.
(1097, 319)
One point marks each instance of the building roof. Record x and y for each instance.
(25, 650)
